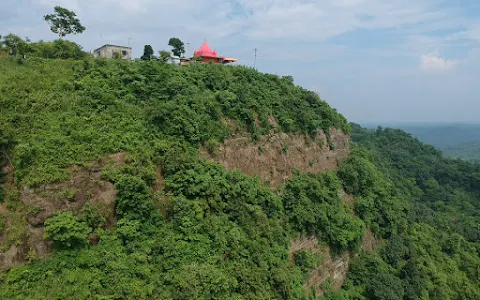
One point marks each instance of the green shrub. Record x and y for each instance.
(313, 206)
(134, 199)
(66, 231)
(306, 260)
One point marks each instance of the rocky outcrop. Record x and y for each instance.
(38, 204)
(276, 155)
(333, 268)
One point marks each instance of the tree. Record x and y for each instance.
(15, 44)
(66, 231)
(178, 46)
(64, 22)
(164, 55)
(134, 199)
(147, 53)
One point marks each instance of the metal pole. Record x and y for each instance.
(255, 61)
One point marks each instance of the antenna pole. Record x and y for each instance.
(255, 61)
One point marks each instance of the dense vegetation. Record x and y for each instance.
(468, 151)
(217, 234)
(212, 233)
(427, 210)
(15, 46)
(454, 140)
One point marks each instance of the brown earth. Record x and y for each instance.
(275, 155)
(369, 243)
(86, 186)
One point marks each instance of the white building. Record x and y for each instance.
(110, 51)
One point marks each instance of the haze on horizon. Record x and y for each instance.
(377, 62)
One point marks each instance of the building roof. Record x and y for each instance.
(229, 59)
(109, 45)
(205, 50)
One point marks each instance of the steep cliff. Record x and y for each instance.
(275, 155)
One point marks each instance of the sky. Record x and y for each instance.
(372, 60)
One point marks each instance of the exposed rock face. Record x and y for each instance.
(275, 155)
(332, 268)
(86, 186)
(14, 256)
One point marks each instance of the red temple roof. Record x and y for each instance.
(205, 50)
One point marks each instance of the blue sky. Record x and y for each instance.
(373, 60)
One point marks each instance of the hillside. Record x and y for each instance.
(454, 140)
(142, 180)
(468, 151)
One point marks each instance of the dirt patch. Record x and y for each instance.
(8, 171)
(119, 158)
(36, 240)
(14, 256)
(333, 269)
(348, 200)
(369, 243)
(276, 155)
(159, 179)
(85, 186)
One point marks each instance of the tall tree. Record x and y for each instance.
(177, 45)
(64, 22)
(147, 53)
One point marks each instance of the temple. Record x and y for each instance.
(208, 55)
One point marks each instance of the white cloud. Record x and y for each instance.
(322, 19)
(433, 62)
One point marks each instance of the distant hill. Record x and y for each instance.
(469, 151)
(454, 140)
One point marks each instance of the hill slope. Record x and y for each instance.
(454, 140)
(78, 133)
(114, 162)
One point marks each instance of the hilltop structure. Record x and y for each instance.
(208, 55)
(110, 51)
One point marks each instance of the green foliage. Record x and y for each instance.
(147, 53)
(221, 234)
(92, 217)
(71, 112)
(313, 206)
(177, 45)
(6, 142)
(425, 206)
(163, 55)
(56, 49)
(66, 231)
(134, 200)
(306, 260)
(15, 45)
(385, 287)
(64, 22)
(469, 151)
(2, 223)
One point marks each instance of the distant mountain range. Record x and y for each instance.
(453, 139)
